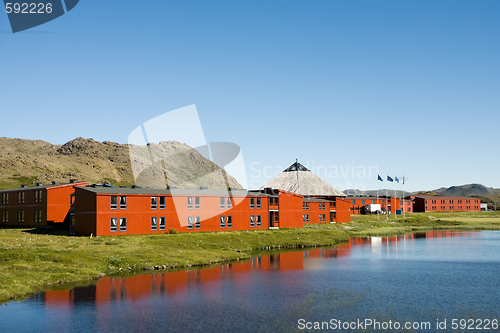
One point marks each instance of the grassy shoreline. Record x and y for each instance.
(33, 261)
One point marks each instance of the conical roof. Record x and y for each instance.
(300, 180)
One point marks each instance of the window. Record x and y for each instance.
(197, 222)
(154, 223)
(123, 203)
(20, 197)
(114, 227)
(353, 202)
(252, 203)
(162, 203)
(5, 198)
(197, 202)
(39, 195)
(229, 221)
(363, 202)
(73, 219)
(229, 203)
(252, 221)
(154, 202)
(20, 216)
(259, 220)
(307, 205)
(324, 218)
(258, 203)
(123, 224)
(5, 216)
(303, 206)
(114, 202)
(190, 222)
(307, 217)
(222, 221)
(163, 223)
(36, 195)
(222, 202)
(190, 202)
(38, 215)
(320, 218)
(303, 218)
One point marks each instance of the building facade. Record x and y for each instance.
(37, 206)
(446, 204)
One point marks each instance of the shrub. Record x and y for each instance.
(172, 231)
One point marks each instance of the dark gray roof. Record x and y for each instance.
(316, 199)
(159, 191)
(39, 187)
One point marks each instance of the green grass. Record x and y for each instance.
(33, 260)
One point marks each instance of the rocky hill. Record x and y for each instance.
(467, 190)
(35, 161)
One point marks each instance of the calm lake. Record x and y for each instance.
(419, 278)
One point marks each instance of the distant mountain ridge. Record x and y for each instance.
(35, 161)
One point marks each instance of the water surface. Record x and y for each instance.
(422, 277)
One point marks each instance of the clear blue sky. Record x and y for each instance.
(408, 87)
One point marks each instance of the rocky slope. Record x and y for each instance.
(35, 161)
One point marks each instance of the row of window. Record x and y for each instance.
(433, 202)
(321, 206)
(159, 223)
(305, 217)
(21, 197)
(452, 208)
(225, 202)
(255, 203)
(114, 224)
(20, 216)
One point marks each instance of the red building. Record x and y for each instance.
(110, 211)
(446, 204)
(358, 204)
(40, 205)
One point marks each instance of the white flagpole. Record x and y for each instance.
(377, 198)
(395, 199)
(386, 204)
(404, 208)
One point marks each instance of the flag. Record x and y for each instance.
(396, 179)
(380, 178)
(389, 179)
(403, 180)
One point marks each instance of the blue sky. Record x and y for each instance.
(402, 87)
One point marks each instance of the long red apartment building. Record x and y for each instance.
(446, 204)
(102, 210)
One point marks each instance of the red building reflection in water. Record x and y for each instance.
(207, 280)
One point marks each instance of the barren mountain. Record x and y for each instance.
(35, 161)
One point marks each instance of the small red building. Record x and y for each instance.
(446, 204)
(40, 205)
